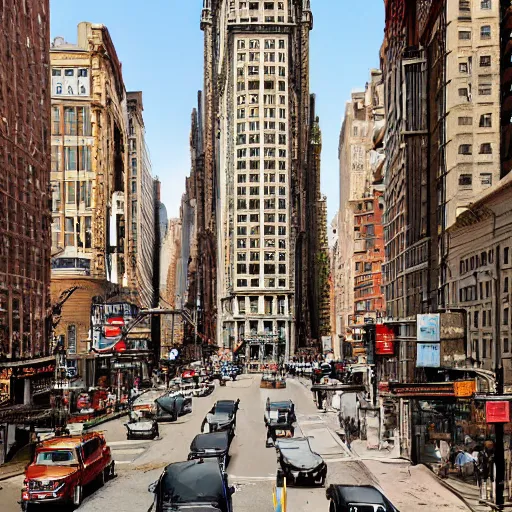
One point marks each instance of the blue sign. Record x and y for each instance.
(428, 327)
(428, 355)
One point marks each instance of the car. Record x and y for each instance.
(63, 466)
(357, 498)
(141, 428)
(192, 486)
(279, 419)
(299, 462)
(211, 445)
(170, 406)
(222, 417)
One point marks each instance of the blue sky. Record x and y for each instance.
(159, 43)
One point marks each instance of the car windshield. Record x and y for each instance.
(56, 458)
(280, 405)
(192, 483)
(224, 408)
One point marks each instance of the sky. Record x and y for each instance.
(160, 45)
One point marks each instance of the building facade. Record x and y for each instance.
(141, 229)
(89, 180)
(25, 244)
(258, 163)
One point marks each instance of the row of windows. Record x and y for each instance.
(77, 121)
(255, 256)
(268, 305)
(466, 180)
(486, 257)
(483, 90)
(465, 5)
(254, 85)
(267, 57)
(466, 66)
(255, 178)
(467, 149)
(254, 204)
(268, 138)
(77, 232)
(485, 121)
(268, 6)
(267, 217)
(255, 112)
(485, 33)
(267, 191)
(77, 158)
(269, 282)
(254, 44)
(268, 230)
(254, 165)
(254, 99)
(255, 152)
(254, 269)
(255, 71)
(255, 243)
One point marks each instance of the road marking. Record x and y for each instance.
(118, 462)
(130, 442)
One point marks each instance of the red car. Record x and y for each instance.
(62, 467)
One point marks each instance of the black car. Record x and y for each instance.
(169, 407)
(211, 445)
(141, 428)
(357, 498)
(279, 419)
(222, 417)
(299, 462)
(192, 486)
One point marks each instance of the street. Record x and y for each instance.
(252, 467)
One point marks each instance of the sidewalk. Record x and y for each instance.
(12, 469)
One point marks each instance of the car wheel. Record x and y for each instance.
(27, 507)
(77, 496)
(112, 470)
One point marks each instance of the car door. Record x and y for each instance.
(92, 460)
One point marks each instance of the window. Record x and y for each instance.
(464, 6)
(485, 89)
(485, 121)
(506, 346)
(84, 158)
(486, 148)
(463, 92)
(241, 44)
(465, 121)
(485, 32)
(463, 67)
(69, 233)
(465, 149)
(485, 4)
(486, 179)
(505, 316)
(465, 180)
(254, 44)
(476, 319)
(70, 158)
(241, 282)
(56, 159)
(56, 121)
(485, 61)
(505, 255)
(505, 285)
(464, 35)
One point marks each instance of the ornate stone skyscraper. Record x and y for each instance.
(260, 179)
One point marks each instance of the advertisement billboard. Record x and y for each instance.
(428, 355)
(326, 344)
(428, 327)
(497, 412)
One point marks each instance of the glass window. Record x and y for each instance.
(485, 32)
(56, 121)
(70, 158)
(70, 121)
(56, 163)
(464, 35)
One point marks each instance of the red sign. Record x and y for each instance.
(112, 331)
(384, 340)
(120, 346)
(115, 320)
(497, 412)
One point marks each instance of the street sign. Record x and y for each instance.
(497, 412)
(428, 327)
(464, 388)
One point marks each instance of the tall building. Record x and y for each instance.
(25, 242)
(358, 259)
(89, 180)
(260, 174)
(141, 230)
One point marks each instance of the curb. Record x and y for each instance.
(7, 476)
(454, 491)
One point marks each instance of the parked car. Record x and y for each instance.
(63, 466)
(195, 486)
(299, 462)
(211, 445)
(222, 417)
(279, 419)
(141, 428)
(169, 407)
(357, 498)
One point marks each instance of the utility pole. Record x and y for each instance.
(499, 449)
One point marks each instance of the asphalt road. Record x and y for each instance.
(251, 469)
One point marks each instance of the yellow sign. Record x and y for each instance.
(464, 388)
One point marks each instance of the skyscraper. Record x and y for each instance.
(261, 175)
